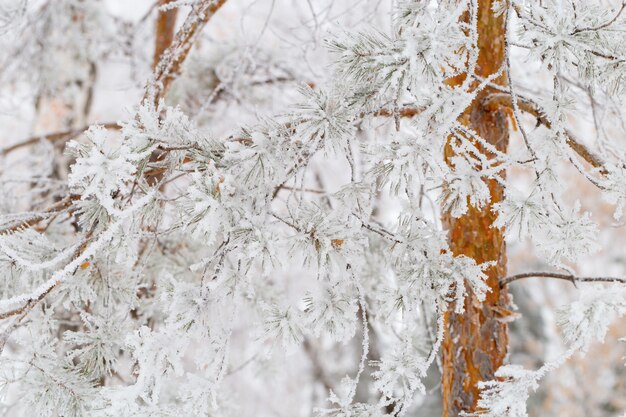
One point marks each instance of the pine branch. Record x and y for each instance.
(87, 248)
(172, 58)
(54, 209)
(529, 106)
(28, 301)
(604, 25)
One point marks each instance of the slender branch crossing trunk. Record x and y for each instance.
(163, 38)
(475, 342)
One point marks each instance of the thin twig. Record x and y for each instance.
(55, 137)
(567, 277)
(604, 25)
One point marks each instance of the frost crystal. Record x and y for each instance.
(587, 320)
(507, 396)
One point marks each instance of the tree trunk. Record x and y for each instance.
(475, 342)
(164, 31)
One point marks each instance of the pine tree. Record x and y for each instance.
(309, 218)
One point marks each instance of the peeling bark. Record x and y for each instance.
(475, 342)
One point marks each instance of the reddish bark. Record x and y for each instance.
(168, 67)
(475, 342)
(165, 25)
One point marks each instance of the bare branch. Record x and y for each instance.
(54, 137)
(567, 277)
(404, 112)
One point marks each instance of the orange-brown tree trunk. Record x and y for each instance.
(475, 342)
